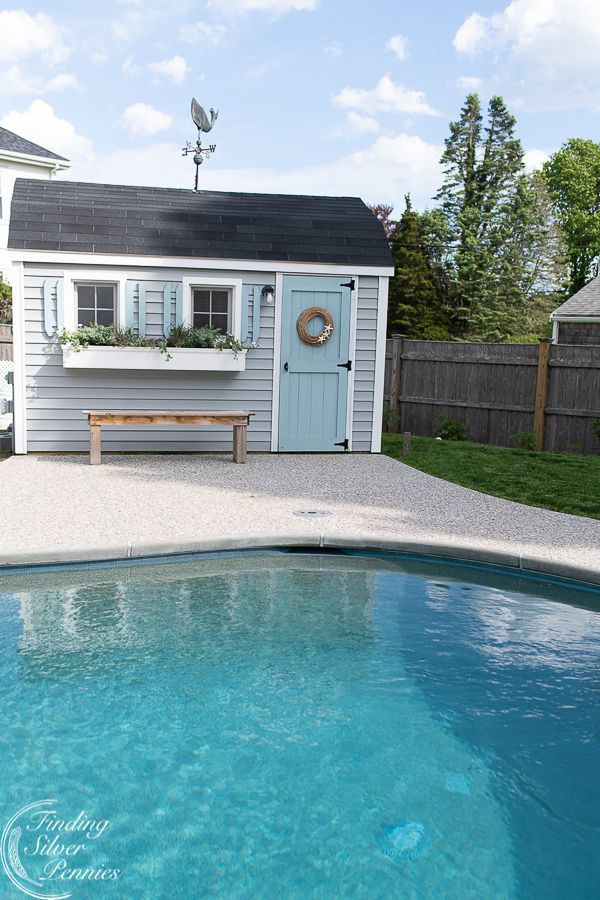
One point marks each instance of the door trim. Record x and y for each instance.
(279, 276)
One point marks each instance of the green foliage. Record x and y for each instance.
(415, 300)
(450, 429)
(503, 237)
(596, 429)
(5, 303)
(524, 440)
(572, 176)
(182, 336)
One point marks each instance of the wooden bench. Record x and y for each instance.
(239, 418)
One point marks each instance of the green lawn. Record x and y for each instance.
(566, 482)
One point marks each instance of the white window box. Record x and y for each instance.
(139, 358)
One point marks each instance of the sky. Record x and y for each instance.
(345, 97)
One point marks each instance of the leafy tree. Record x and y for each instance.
(384, 213)
(572, 176)
(415, 305)
(5, 303)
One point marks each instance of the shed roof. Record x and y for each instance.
(14, 143)
(586, 302)
(118, 219)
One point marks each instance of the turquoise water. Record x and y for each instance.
(301, 727)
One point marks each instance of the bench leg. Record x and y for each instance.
(240, 443)
(95, 445)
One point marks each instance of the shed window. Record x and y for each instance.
(212, 307)
(96, 304)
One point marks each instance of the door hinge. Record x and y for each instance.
(346, 365)
(349, 284)
(343, 444)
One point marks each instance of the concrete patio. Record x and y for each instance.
(57, 508)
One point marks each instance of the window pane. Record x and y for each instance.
(85, 317)
(220, 321)
(201, 319)
(201, 301)
(105, 317)
(85, 296)
(220, 301)
(105, 294)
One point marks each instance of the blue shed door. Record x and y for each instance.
(313, 392)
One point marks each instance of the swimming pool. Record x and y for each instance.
(299, 726)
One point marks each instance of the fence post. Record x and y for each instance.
(395, 379)
(541, 391)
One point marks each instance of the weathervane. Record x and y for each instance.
(202, 123)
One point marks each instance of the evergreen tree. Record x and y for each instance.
(482, 197)
(415, 307)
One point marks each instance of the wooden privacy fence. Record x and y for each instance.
(6, 346)
(497, 390)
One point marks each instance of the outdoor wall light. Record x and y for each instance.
(267, 295)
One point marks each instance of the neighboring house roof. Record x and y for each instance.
(14, 143)
(586, 302)
(147, 221)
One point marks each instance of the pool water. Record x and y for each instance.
(297, 726)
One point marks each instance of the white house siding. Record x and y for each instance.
(364, 367)
(57, 396)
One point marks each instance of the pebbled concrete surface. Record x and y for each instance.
(58, 508)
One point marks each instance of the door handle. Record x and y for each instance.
(286, 367)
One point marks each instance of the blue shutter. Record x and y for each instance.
(141, 308)
(129, 299)
(167, 307)
(247, 292)
(256, 315)
(60, 305)
(48, 310)
(179, 303)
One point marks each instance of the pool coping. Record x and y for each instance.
(16, 562)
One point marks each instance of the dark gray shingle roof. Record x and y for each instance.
(17, 144)
(585, 302)
(105, 218)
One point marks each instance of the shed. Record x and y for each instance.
(578, 320)
(150, 258)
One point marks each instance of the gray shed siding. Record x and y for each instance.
(56, 396)
(364, 373)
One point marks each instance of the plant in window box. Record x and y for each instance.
(182, 338)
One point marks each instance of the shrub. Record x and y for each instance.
(524, 440)
(179, 336)
(450, 429)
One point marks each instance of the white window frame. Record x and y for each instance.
(92, 276)
(198, 282)
(96, 284)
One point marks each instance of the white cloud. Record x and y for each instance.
(333, 50)
(383, 172)
(14, 81)
(142, 120)
(468, 83)
(99, 57)
(549, 48)
(398, 44)
(385, 96)
(40, 124)
(24, 35)
(471, 34)
(275, 7)
(129, 67)
(174, 69)
(201, 32)
(359, 124)
(535, 159)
